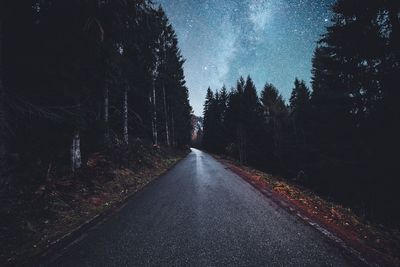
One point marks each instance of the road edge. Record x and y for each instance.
(349, 249)
(57, 247)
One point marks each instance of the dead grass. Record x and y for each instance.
(30, 223)
(377, 237)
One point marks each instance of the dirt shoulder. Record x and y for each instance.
(32, 225)
(370, 244)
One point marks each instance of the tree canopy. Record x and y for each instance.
(84, 76)
(343, 133)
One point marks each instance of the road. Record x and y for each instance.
(201, 214)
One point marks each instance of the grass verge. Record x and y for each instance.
(32, 223)
(377, 243)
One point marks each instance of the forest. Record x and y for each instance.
(79, 77)
(341, 136)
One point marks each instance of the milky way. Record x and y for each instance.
(271, 40)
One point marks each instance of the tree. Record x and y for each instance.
(250, 97)
(166, 40)
(300, 108)
(344, 133)
(223, 101)
(300, 97)
(253, 124)
(275, 114)
(355, 71)
(171, 112)
(87, 80)
(175, 93)
(208, 119)
(2, 95)
(234, 122)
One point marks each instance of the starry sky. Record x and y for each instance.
(270, 40)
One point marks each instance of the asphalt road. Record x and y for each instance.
(201, 214)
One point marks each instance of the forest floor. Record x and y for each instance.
(369, 242)
(32, 224)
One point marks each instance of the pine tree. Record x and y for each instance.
(275, 114)
(253, 124)
(170, 106)
(2, 96)
(300, 108)
(237, 116)
(250, 97)
(273, 103)
(208, 119)
(223, 101)
(353, 98)
(300, 96)
(87, 80)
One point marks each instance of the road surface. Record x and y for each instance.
(201, 214)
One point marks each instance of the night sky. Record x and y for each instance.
(272, 40)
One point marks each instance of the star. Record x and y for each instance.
(271, 40)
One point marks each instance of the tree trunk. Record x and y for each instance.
(106, 117)
(277, 141)
(164, 93)
(76, 158)
(173, 130)
(166, 117)
(2, 112)
(242, 144)
(154, 121)
(125, 130)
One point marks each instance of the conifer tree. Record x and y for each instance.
(87, 80)
(352, 98)
(300, 108)
(208, 119)
(2, 96)
(275, 113)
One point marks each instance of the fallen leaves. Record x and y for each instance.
(62, 204)
(377, 237)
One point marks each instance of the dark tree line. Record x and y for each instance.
(81, 76)
(340, 138)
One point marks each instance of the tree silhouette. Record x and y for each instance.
(87, 69)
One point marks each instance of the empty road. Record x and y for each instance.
(201, 214)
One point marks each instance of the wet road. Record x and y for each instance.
(201, 214)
